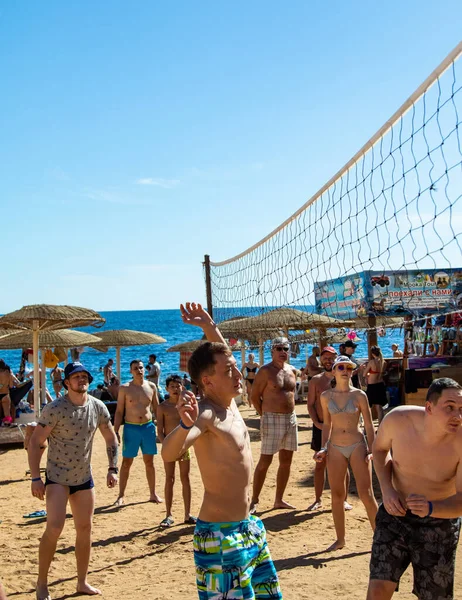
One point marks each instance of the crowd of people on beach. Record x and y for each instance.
(416, 452)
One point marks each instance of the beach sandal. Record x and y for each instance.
(167, 522)
(191, 520)
(36, 514)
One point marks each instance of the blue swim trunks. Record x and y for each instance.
(233, 561)
(139, 436)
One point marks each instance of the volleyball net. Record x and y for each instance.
(381, 238)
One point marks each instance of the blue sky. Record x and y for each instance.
(138, 137)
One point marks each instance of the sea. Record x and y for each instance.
(168, 324)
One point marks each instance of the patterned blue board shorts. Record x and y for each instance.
(430, 544)
(233, 561)
(139, 436)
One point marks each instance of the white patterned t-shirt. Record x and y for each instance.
(71, 439)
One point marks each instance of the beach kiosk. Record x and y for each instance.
(426, 304)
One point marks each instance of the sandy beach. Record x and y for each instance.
(133, 558)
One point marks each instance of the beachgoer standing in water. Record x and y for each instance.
(70, 423)
(344, 443)
(137, 403)
(230, 549)
(319, 384)
(273, 396)
(418, 461)
(167, 420)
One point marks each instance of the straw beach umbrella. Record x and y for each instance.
(48, 339)
(187, 348)
(42, 317)
(121, 338)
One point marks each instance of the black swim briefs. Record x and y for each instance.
(88, 485)
(430, 544)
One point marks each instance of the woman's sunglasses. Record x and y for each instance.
(345, 367)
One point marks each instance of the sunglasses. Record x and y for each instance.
(281, 348)
(345, 368)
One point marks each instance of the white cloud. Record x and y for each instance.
(111, 197)
(167, 184)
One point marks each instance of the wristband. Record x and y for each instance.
(185, 426)
(36, 479)
(323, 449)
(430, 508)
(114, 470)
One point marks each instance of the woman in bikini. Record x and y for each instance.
(249, 370)
(343, 442)
(376, 390)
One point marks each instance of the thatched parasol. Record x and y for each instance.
(121, 338)
(280, 318)
(67, 338)
(41, 317)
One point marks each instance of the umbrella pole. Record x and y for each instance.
(43, 378)
(244, 384)
(260, 352)
(35, 346)
(118, 364)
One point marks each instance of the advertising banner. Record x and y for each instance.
(391, 293)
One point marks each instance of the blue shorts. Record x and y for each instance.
(139, 436)
(233, 561)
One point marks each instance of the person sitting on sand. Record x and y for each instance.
(137, 404)
(11, 393)
(230, 548)
(167, 420)
(343, 442)
(317, 385)
(273, 396)
(418, 461)
(70, 423)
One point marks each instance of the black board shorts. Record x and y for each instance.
(428, 543)
(316, 440)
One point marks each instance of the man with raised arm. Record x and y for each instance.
(273, 396)
(230, 549)
(137, 403)
(70, 423)
(418, 460)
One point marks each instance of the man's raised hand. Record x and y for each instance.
(194, 314)
(188, 408)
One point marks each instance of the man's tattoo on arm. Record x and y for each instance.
(113, 455)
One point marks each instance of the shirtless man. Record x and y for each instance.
(312, 365)
(230, 549)
(57, 380)
(168, 419)
(273, 396)
(154, 369)
(2, 592)
(397, 353)
(319, 384)
(418, 461)
(70, 423)
(137, 403)
(108, 372)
